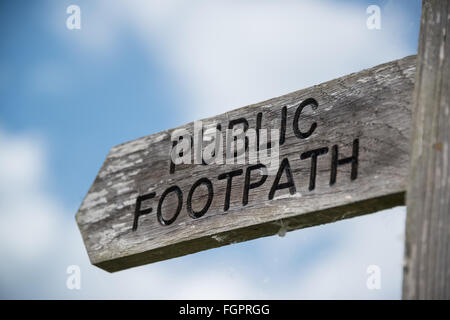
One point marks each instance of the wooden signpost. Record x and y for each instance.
(343, 150)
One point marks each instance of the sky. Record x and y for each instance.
(139, 67)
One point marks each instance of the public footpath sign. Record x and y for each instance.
(330, 152)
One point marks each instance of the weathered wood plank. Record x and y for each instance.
(427, 248)
(364, 116)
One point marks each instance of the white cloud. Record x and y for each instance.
(21, 161)
(227, 54)
(26, 220)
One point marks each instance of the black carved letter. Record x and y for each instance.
(137, 210)
(248, 185)
(179, 194)
(200, 213)
(313, 154)
(229, 176)
(297, 131)
(335, 162)
(284, 167)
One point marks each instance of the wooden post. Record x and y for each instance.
(427, 248)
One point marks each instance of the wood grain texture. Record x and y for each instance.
(427, 248)
(372, 106)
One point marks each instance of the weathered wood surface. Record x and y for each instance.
(371, 106)
(427, 249)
